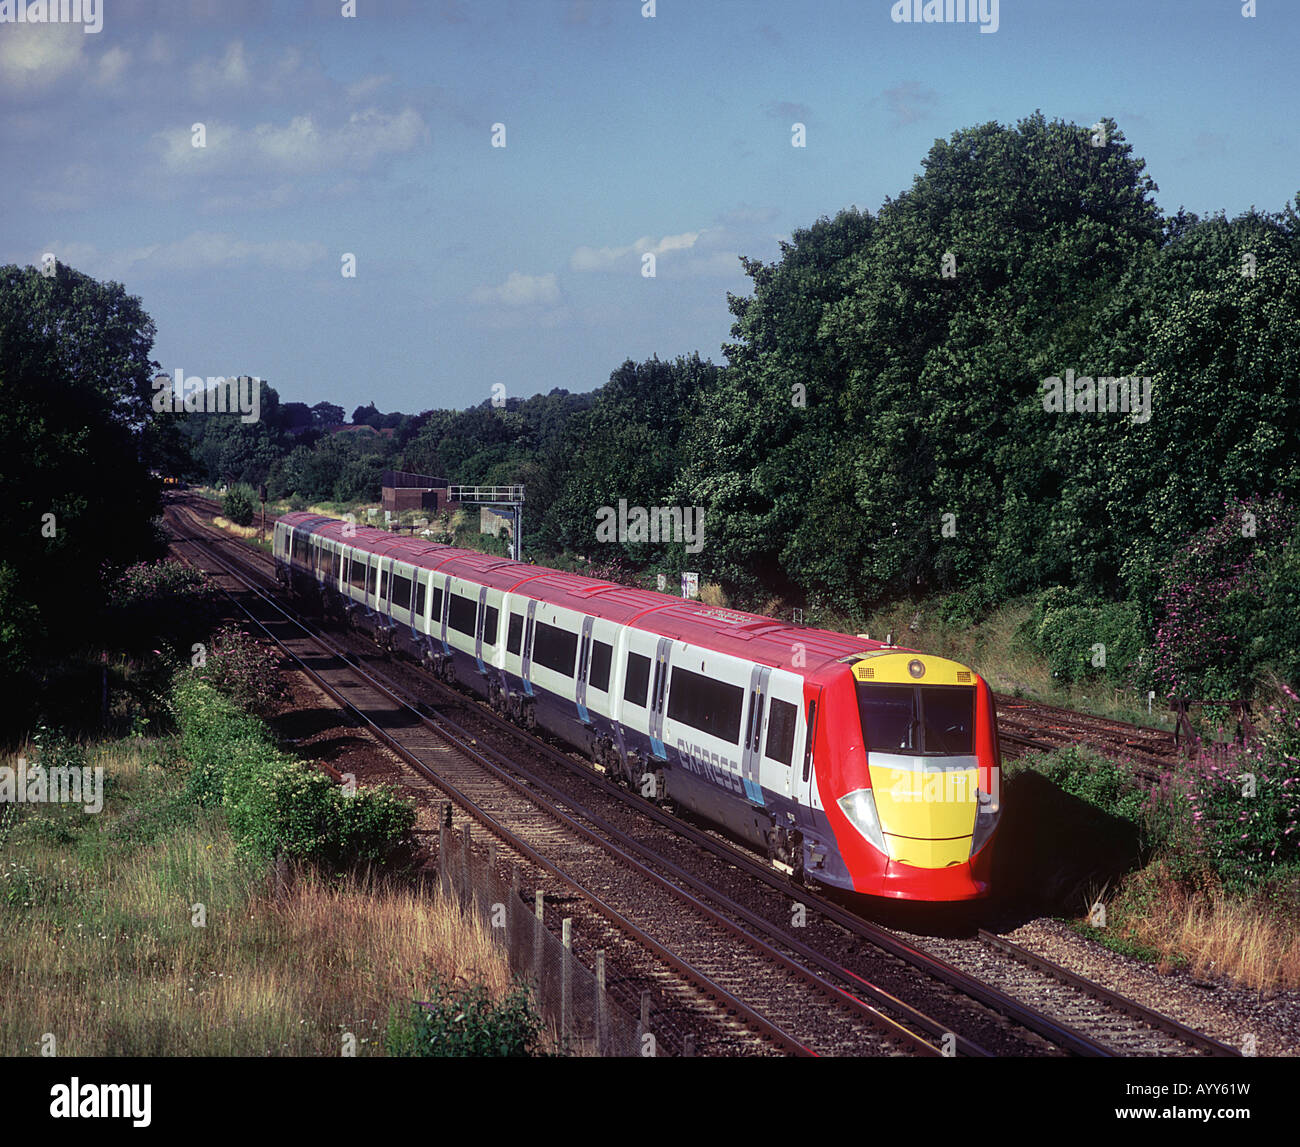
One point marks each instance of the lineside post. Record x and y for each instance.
(566, 979)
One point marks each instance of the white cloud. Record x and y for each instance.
(208, 77)
(367, 86)
(520, 291)
(259, 198)
(607, 258)
(301, 146)
(112, 64)
(909, 102)
(203, 249)
(198, 251)
(711, 252)
(34, 56)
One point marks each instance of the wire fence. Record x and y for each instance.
(572, 1000)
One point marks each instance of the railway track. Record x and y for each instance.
(1016, 1003)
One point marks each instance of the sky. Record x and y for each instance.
(371, 143)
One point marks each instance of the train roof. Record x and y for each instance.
(751, 636)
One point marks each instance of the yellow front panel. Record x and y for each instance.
(929, 853)
(911, 669)
(930, 802)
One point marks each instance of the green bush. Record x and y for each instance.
(967, 606)
(1081, 638)
(153, 604)
(464, 1022)
(1104, 783)
(238, 506)
(282, 808)
(275, 804)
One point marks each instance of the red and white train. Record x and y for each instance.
(849, 762)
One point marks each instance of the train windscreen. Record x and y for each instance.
(933, 720)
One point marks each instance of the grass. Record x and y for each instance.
(1252, 942)
(142, 931)
(240, 531)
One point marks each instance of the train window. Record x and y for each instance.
(383, 584)
(916, 719)
(638, 679)
(516, 634)
(713, 707)
(601, 656)
(490, 618)
(358, 577)
(890, 721)
(554, 648)
(338, 563)
(435, 611)
(463, 614)
(401, 592)
(371, 571)
(420, 593)
(781, 720)
(949, 716)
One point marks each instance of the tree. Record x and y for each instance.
(70, 414)
(326, 414)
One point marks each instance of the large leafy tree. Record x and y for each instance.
(920, 335)
(74, 403)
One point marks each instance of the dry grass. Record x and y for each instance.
(103, 947)
(711, 594)
(239, 531)
(1209, 932)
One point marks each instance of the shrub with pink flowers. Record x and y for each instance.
(1216, 594)
(1233, 812)
(244, 668)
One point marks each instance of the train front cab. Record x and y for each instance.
(922, 824)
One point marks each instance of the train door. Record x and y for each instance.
(752, 744)
(446, 606)
(803, 775)
(584, 668)
(526, 669)
(478, 627)
(659, 690)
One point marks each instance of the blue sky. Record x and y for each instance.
(522, 265)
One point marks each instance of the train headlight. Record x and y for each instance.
(860, 807)
(986, 818)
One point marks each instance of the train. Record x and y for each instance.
(848, 762)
